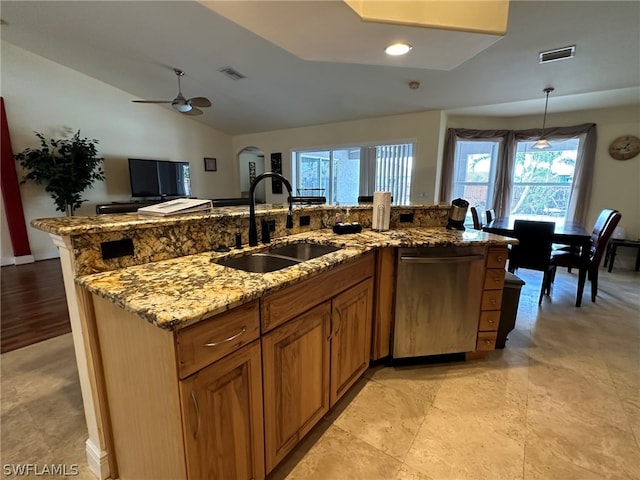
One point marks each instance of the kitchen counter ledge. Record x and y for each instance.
(173, 294)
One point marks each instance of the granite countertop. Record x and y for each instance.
(173, 294)
(77, 225)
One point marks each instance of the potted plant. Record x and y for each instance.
(66, 168)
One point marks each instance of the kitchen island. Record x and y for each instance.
(164, 300)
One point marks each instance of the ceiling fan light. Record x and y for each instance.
(182, 107)
(398, 48)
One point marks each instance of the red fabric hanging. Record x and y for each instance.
(11, 192)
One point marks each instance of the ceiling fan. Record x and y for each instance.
(181, 104)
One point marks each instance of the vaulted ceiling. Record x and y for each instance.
(315, 62)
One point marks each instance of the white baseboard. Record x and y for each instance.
(97, 460)
(21, 260)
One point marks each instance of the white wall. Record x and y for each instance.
(616, 183)
(46, 97)
(423, 128)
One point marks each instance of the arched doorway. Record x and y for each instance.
(251, 164)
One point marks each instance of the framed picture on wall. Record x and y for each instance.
(210, 164)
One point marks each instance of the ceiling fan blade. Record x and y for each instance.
(199, 102)
(193, 111)
(151, 101)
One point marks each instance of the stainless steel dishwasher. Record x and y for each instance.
(438, 294)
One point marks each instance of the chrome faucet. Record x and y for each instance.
(253, 230)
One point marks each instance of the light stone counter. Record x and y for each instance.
(175, 293)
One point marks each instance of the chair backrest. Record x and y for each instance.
(490, 214)
(534, 248)
(598, 227)
(601, 244)
(477, 222)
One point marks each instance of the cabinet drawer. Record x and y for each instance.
(491, 300)
(290, 302)
(486, 341)
(494, 279)
(497, 257)
(489, 321)
(212, 339)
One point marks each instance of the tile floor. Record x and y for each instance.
(561, 401)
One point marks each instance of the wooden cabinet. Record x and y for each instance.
(350, 337)
(295, 357)
(384, 288)
(310, 359)
(491, 299)
(222, 411)
(185, 405)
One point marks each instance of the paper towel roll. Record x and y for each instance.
(381, 211)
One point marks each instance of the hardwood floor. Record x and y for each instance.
(33, 304)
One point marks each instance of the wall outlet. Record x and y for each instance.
(272, 225)
(117, 248)
(406, 218)
(305, 220)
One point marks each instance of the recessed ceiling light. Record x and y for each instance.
(398, 48)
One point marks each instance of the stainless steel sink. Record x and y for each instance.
(258, 262)
(303, 251)
(276, 258)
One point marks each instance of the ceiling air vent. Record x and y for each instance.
(232, 73)
(558, 54)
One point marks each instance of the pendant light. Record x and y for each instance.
(542, 142)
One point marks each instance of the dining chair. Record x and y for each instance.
(490, 214)
(533, 250)
(598, 226)
(575, 260)
(475, 216)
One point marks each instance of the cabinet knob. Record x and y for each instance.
(490, 322)
(500, 258)
(493, 301)
(487, 342)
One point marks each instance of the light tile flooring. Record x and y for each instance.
(561, 401)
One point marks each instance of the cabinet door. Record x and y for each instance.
(295, 359)
(222, 411)
(351, 319)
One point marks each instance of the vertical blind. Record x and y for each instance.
(393, 171)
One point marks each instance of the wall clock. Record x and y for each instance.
(625, 147)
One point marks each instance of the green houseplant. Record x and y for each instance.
(66, 168)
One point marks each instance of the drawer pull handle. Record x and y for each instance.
(490, 322)
(230, 339)
(197, 407)
(487, 342)
(493, 301)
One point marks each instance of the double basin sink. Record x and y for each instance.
(276, 258)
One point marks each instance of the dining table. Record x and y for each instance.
(565, 233)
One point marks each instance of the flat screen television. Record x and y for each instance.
(159, 178)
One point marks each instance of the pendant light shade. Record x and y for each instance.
(542, 142)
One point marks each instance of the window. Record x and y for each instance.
(542, 180)
(474, 174)
(523, 182)
(343, 174)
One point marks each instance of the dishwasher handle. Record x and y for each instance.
(450, 259)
